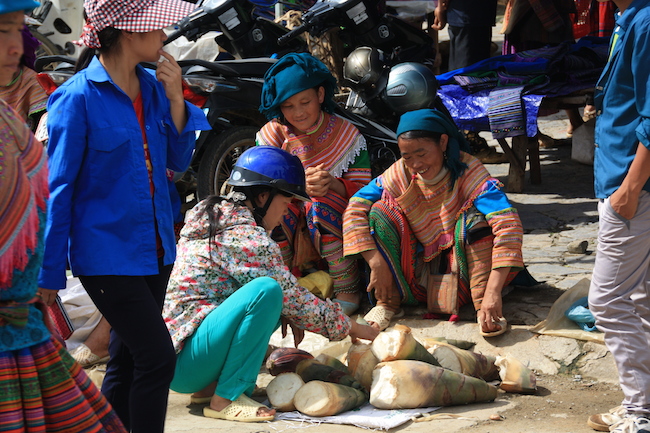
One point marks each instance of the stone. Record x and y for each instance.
(577, 247)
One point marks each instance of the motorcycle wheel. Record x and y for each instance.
(220, 156)
(47, 47)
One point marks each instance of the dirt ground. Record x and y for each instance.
(562, 404)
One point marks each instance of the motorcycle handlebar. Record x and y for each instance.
(284, 39)
(173, 36)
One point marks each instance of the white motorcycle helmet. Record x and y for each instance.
(411, 86)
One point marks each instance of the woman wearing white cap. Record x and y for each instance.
(114, 129)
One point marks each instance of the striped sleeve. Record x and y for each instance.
(357, 236)
(506, 227)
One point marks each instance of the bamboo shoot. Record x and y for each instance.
(282, 389)
(310, 369)
(399, 343)
(326, 359)
(465, 361)
(361, 362)
(409, 384)
(318, 398)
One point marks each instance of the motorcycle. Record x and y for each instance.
(229, 91)
(387, 59)
(55, 23)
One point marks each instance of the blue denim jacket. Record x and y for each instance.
(101, 212)
(622, 98)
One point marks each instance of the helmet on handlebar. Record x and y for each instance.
(363, 67)
(411, 86)
(273, 167)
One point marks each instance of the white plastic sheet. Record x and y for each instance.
(366, 416)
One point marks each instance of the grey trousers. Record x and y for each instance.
(619, 297)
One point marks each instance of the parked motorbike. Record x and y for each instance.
(56, 23)
(229, 91)
(387, 63)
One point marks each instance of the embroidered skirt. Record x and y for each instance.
(42, 389)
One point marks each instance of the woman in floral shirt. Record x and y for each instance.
(229, 288)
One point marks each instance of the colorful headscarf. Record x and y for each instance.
(138, 16)
(432, 120)
(292, 74)
(9, 6)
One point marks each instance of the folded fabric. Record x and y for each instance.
(505, 112)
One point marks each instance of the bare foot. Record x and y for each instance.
(208, 391)
(355, 298)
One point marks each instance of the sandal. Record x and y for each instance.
(381, 316)
(503, 327)
(243, 409)
(86, 358)
(588, 115)
(200, 400)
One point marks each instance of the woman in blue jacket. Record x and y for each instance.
(114, 129)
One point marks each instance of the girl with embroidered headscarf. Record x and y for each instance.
(297, 98)
(43, 389)
(435, 227)
(114, 129)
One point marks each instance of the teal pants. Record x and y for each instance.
(229, 345)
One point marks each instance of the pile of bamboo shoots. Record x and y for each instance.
(395, 371)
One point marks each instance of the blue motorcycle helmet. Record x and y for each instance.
(273, 167)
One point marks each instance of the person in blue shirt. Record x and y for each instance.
(114, 129)
(620, 287)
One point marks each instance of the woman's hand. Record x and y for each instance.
(169, 73)
(381, 278)
(320, 181)
(47, 296)
(492, 305)
(363, 332)
(298, 333)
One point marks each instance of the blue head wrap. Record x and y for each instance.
(432, 120)
(9, 6)
(292, 74)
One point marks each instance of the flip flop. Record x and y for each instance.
(503, 324)
(200, 400)
(381, 316)
(86, 358)
(244, 409)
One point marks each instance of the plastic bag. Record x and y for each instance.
(579, 313)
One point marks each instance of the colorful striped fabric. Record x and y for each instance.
(334, 142)
(25, 94)
(42, 389)
(506, 112)
(432, 210)
(23, 191)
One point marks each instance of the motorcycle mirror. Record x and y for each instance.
(190, 25)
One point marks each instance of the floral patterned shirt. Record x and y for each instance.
(206, 273)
